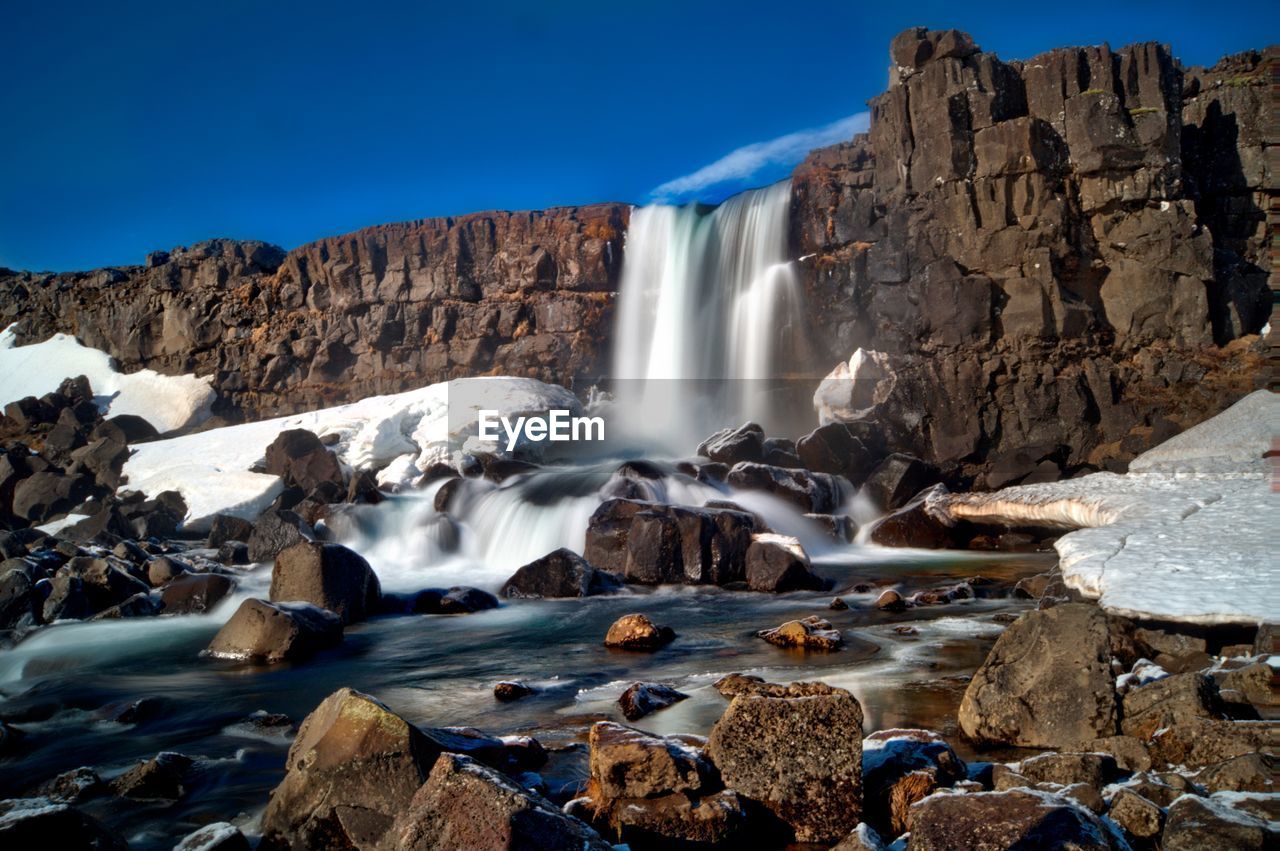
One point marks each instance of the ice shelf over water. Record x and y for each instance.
(168, 402)
(1188, 534)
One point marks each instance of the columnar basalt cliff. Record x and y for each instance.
(1062, 258)
(381, 310)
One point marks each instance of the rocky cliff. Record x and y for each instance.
(381, 310)
(1062, 259)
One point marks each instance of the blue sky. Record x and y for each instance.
(134, 126)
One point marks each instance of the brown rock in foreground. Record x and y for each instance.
(264, 632)
(798, 757)
(465, 804)
(1000, 820)
(1047, 682)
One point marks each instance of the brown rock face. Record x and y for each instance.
(262, 632)
(381, 310)
(798, 757)
(353, 768)
(330, 576)
(1046, 683)
(1014, 819)
(1051, 251)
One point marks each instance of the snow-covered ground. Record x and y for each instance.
(168, 402)
(1188, 534)
(400, 434)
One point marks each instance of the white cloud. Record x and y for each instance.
(748, 160)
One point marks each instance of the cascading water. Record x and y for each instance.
(708, 305)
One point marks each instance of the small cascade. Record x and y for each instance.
(710, 306)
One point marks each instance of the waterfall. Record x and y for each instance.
(709, 306)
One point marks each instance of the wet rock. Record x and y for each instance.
(778, 563)
(234, 553)
(1139, 817)
(219, 836)
(195, 593)
(731, 445)
(862, 838)
(226, 527)
(1193, 823)
(67, 600)
(637, 632)
(898, 478)
(811, 633)
(330, 576)
(44, 823)
(19, 603)
(839, 449)
(464, 600)
(354, 766)
(162, 570)
(1253, 772)
(140, 605)
(654, 552)
(1017, 818)
(265, 632)
(608, 531)
(798, 757)
(891, 601)
(913, 526)
(78, 784)
(509, 690)
(275, 532)
(837, 604)
(812, 493)
(1046, 683)
(641, 699)
(43, 496)
(298, 456)
(160, 778)
(899, 768)
(1129, 753)
(463, 804)
(562, 573)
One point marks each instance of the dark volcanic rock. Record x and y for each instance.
(562, 573)
(330, 576)
(266, 632)
(777, 563)
(276, 531)
(813, 493)
(298, 457)
(897, 479)
(226, 527)
(195, 593)
(731, 445)
(640, 699)
(41, 823)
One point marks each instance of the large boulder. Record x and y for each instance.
(353, 768)
(898, 478)
(913, 525)
(330, 576)
(798, 757)
(464, 804)
(607, 533)
(265, 632)
(298, 456)
(1020, 818)
(812, 493)
(731, 445)
(562, 573)
(839, 449)
(195, 593)
(778, 563)
(42, 496)
(1046, 683)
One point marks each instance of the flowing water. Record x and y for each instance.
(707, 295)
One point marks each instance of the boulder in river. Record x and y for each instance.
(1046, 683)
(913, 525)
(195, 593)
(509, 690)
(276, 632)
(641, 699)
(275, 531)
(898, 478)
(330, 576)
(637, 632)
(219, 836)
(798, 757)
(812, 493)
(778, 563)
(839, 449)
(464, 804)
(900, 767)
(811, 633)
(162, 778)
(731, 445)
(353, 768)
(562, 573)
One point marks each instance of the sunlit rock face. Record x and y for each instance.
(1052, 258)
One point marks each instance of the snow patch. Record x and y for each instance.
(168, 402)
(1187, 535)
